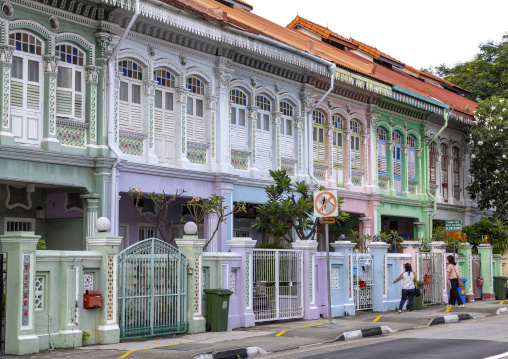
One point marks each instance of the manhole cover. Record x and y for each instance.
(184, 347)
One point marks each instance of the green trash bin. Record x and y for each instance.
(500, 287)
(217, 309)
(418, 301)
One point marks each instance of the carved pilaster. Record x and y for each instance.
(51, 64)
(405, 149)
(308, 101)
(118, 77)
(298, 123)
(92, 74)
(329, 129)
(211, 102)
(389, 145)
(107, 44)
(181, 96)
(365, 139)
(252, 112)
(276, 118)
(225, 75)
(418, 152)
(6, 54)
(150, 88)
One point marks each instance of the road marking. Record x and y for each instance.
(307, 326)
(448, 309)
(500, 356)
(135, 350)
(501, 302)
(384, 315)
(375, 320)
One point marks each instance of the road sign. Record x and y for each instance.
(453, 225)
(325, 204)
(328, 220)
(454, 234)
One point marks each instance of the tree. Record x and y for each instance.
(289, 206)
(495, 229)
(485, 75)
(488, 143)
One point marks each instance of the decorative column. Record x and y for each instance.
(346, 298)
(20, 337)
(389, 163)
(276, 119)
(420, 171)
(451, 187)
(224, 73)
(116, 109)
(305, 151)
(50, 141)
(91, 110)
(192, 248)
(347, 156)
(104, 242)
(439, 174)
(244, 285)
(252, 115)
(211, 106)
(405, 166)
(485, 252)
(329, 158)
(365, 228)
(379, 251)
(91, 201)
(181, 127)
(419, 230)
(308, 248)
(6, 137)
(298, 125)
(365, 143)
(467, 269)
(149, 115)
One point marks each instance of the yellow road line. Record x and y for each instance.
(501, 302)
(448, 309)
(375, 320)
(135, 350)
(307, 326)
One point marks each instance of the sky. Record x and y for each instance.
(418, 33)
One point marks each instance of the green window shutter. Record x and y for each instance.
(64, 102)
(33, 100)
(16, 94)
(78, 106)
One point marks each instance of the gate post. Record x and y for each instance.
(345, 276)
(467, 270)
(308, 248)
(411, 248)
(20, 335)
(244, 247)
(104, 242)
(192, 248)
(485, 252)
(378, 250)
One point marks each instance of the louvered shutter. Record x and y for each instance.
(32, 98)
(340, 156)
(289, 148)
(444, 174)
(315, 151)
(412, 174)
(78, 106)
(321, 152)
(136, 117)
(64, 102)
(456, 179)
(381, 159)
(16, 94)
(242, 137)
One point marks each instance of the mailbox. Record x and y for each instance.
(427, 278)
(259, 289)
(363, 284)
(479, 281)
(92, 299)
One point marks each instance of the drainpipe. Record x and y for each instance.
(114, 205)
(427, 169)
(331, 69)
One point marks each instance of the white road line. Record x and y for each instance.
(500, 356)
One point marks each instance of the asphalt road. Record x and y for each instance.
(472, 339)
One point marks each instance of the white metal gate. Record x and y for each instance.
(278, 275)
(430, 268)
(363, 280)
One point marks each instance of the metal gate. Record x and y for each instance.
(3, 296)
(433, 264)
(152, 290)
(477, 272)
(278, 275)
(363, 280)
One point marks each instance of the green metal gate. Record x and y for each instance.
(152, 290)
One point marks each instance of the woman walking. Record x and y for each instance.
(452, 273)
(408, 278)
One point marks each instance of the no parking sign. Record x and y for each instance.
(325, 204)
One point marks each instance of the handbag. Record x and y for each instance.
(461, 282)
(417, 291)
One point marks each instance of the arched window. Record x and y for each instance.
(356, 156)
(164, 115)
(286, 129)
(263, 135)
(319, 136)
(397, 164)
(411, 168)
(456, 176)
(238, 131)
(130, 95)
(70, 81)
(26, 87)
(195, 110)
(444, 171)
(432, 162)
(381, 151)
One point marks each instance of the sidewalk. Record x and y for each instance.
(280, 336)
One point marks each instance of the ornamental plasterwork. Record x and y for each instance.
(328, 129)
(6, 53)
(50, 64)
(405, 149)
(17, 24)
(81, 40)
(276, 86)
(211, 102)
(365, 139)
(118, 77)
(253, 81)
(181, 96)
(308, 101)
(418, 152)
(252, 112)
(183, 59)
(92, 74)
(224, 77)
(389, 145)
(107, 43)
(150, 50)
(150, 88)
(298, 123)
(276, 118)
(348, 134)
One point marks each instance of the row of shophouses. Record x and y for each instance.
(206, 96)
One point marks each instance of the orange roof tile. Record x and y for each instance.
(321, 30)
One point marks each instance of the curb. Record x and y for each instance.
(450, 319)
(364, 333)
(233, 353)
(502, 310)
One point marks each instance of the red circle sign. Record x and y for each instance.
(319, 207)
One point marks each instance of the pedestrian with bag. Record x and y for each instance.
(408, 278)
(452, 274)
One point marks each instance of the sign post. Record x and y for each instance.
(453, 228)
(326, 207)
